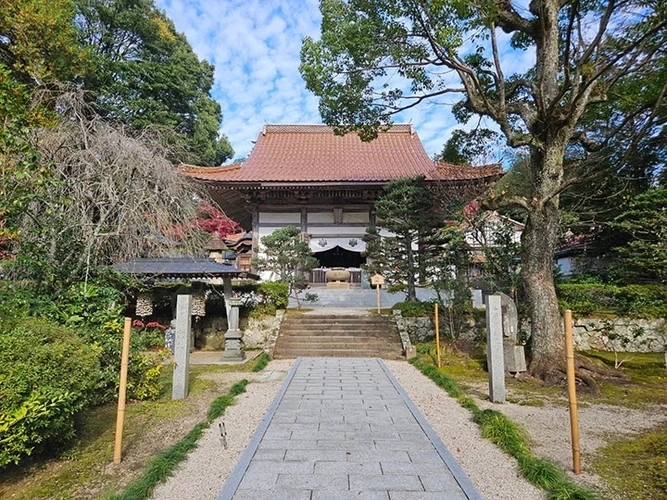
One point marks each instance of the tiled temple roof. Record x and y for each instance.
(313, 153)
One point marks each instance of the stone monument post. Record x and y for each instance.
(233, 336)
(182, 345)
(494, 348)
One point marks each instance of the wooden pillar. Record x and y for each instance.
(255, 234)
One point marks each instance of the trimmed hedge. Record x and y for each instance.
(47, 375)
(637, 301)
(415, 308)
(263, 299)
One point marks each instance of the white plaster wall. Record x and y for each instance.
(287, 218)
(356, 218)
(348, 231)
(321, 217)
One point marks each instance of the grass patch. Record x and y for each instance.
(510, 438)
(384, 311)
(636, 467)
(261, 362)
(298, 311)
(162, 466)
(648, 384)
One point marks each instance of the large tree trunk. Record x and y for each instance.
(538, 243)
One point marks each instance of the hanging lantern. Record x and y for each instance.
(199, 303)
(144, 304)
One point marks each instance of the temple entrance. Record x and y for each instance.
(339, 257)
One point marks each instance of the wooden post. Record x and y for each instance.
(377, 280)
(572, 393)
(120, 418)
(437, 334)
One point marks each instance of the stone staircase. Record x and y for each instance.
(340, 335)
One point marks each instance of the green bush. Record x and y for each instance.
(638, 301)
(93, 314)
(414, 308)
(144, 369)
(47, 375)
(262, 299)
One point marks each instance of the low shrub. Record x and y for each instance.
(414, 308)
(591, 299)
(93, 313)
(262, 299)
(47, 375)
(144, 369)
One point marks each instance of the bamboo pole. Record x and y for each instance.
(437, 334)
(572, 393)
(120, 417)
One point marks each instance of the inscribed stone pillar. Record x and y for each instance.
(233, 336)
(494, 348)
(182, 346)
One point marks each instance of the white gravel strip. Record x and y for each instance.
(495, 474)
(202, 475)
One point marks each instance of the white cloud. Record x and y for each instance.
(255, 48)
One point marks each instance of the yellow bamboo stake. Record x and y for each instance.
(120, 417)
(572, 393)
(437, 335)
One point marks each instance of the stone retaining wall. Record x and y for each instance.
(422, 329)
(588, 333)
(210, 331)
(643, 335)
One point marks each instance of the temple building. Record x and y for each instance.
(326, 185)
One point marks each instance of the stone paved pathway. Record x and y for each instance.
(343, 428)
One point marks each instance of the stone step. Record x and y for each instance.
(338, 335)
(342, 341)
(343, 353)
(334, 320)
(387, 331)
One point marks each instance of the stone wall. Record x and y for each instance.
(590, 333)
(209, 331)
(422, 329)
(257, 331)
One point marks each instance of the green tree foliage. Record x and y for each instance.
(287, 257)
(406, 210)
(144, 73)
(494, 237)
(643, 256)
(37, 46)
(476, 147)
(38, 42)
(369, 49)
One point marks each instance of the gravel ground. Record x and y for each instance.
(548, 428)
(204, 472)
(495, 474)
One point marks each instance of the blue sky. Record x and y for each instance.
(255, 46)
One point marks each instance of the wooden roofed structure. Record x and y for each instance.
(327, 184)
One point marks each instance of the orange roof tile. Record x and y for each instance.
(313, 153)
